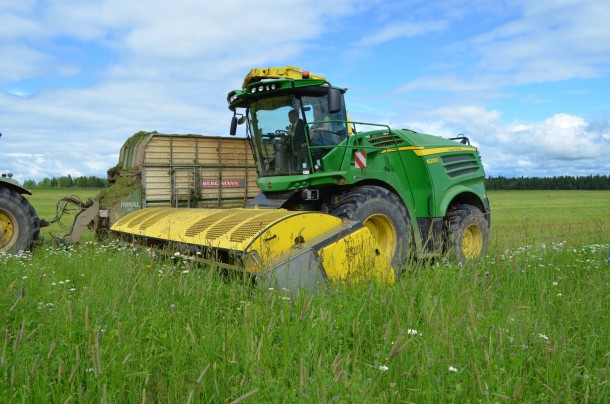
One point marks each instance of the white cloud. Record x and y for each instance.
(550, 41)
(563, 144)
(536, 42)
(401, 29)
(561, 137)
(167, 66)
(449, 82)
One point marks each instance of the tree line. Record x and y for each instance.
(586, 182)
(68, 182)
(589, 182)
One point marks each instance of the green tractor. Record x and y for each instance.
(19, 223)
(420, 196)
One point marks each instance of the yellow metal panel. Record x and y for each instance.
(356, 257)
(438, 150)
(286, 235)
(288, 72)
(402, 149)
(269, 232)
(421, 151)
(270, 239)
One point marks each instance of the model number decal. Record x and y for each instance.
(433, 160)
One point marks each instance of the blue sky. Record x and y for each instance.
(528, 82)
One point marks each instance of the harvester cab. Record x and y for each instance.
(419, 195)
(295, 119)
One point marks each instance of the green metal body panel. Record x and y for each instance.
(13, 185)
(424, 183)
(127, 205)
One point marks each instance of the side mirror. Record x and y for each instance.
(334, 100)
(233, 129)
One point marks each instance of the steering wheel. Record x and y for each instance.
(282, 134)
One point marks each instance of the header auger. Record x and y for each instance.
(279, 248)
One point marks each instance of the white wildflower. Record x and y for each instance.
(383, 368)
(452, 369)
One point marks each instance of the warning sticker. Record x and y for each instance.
(360, 159)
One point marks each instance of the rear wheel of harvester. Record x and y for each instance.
(19, 224)
(384, 215)
(466, 232)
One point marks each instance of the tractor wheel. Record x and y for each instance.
(466, 232)
(384, 214)
(19, 224)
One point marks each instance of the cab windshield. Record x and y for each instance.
(291, 133)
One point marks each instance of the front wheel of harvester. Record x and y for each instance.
(384, 214)
(19, 224)
(466, 232)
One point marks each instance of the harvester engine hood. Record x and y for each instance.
(279, 248)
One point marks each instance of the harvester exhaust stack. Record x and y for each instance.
(279, 248)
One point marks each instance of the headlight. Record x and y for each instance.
(264, 87)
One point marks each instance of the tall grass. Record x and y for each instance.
(104, 322)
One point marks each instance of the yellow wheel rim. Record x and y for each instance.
(382, 228)
(472, 242)
(7, 231)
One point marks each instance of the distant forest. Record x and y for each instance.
(590, 183)
(68, 182)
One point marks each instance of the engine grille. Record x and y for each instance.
(460, 164)
(385, 139)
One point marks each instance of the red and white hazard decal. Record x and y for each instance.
(360, 159)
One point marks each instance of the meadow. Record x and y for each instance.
(103, 322)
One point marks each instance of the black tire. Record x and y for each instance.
(19, 224)
(368, 203)
(466, 233)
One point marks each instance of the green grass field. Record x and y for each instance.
(530, 322)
